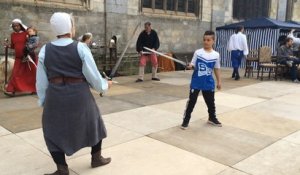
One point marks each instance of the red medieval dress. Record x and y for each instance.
(23, 74)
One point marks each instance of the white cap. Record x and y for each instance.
(19, 22)
(61, 23)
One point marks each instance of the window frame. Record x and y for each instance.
(164, 11)
(77, 5)
(236, 5)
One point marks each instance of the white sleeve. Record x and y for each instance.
(218, 64)
(245, 45)
(41, 78)
(90, 70)
(230, 44)
(295, 40)
(193, 62)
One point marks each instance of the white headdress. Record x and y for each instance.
(61, 23)
(19, 22)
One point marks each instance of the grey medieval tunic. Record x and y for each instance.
(71, 118)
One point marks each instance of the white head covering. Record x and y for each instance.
(19, 22)
(61, 23)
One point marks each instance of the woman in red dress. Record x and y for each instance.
(23, 78)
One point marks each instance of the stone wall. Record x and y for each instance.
(296, 10)
(177, 33)
(39, 16)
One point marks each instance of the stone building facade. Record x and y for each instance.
(180, 23)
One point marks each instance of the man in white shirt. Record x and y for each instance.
(238, 47)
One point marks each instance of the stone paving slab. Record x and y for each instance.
(146, 85)
(234, 101)
(146, 156)
(277, 108)
(144, 120)
(255, 114)
(231, 171)
(260, 122)
(173, 74)
(36, 139)
(18, 157)
(4, 131)
(109, 105)
(17, 103)
(200, 110)
(145, 98)
(2, 96)
(125, 79)
(21, 120)
(279, 158)
(294, 138)
(293, 98)
(175, 81)
(226, 145)
(229, 83)
(266, 90)
(116, 135)
(172, 91)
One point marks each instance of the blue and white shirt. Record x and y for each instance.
(204, 64)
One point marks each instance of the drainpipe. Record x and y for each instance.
(105, 31)
(277, 10)
(212, 11)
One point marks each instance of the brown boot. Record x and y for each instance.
(98, 160)
(61, 170)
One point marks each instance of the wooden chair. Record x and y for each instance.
(298, 71)
(251, 59)
(265, 62)
(281, 69)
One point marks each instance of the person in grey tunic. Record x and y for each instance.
(71, 118)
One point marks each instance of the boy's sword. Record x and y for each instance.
(185, 64)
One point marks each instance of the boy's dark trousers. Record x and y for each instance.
(209, 98)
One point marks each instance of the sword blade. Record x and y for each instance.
(30, 59)
(166, 56)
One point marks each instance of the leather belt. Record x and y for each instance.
(57, 80)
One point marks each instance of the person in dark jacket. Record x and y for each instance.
(285, 56)
(147, 38)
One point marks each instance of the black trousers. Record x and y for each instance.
(209, 98)
(60, 159)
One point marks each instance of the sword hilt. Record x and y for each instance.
(106, 77)
(109, 79)
(186, 62)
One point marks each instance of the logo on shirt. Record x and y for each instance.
(203, 70)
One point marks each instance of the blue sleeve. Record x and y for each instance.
(90, 70)
(41, 78)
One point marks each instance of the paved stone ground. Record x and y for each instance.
(260, 133)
